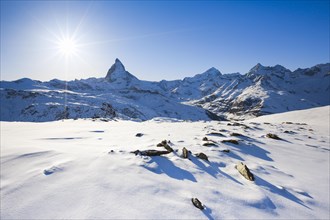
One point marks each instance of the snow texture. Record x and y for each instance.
(83, 169)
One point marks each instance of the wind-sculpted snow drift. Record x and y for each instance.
(207, 96)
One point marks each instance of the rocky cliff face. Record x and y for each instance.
(210, 95)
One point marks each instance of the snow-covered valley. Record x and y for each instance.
(84, 169)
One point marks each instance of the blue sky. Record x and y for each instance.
(160, 40)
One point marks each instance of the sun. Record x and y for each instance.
(67, 46)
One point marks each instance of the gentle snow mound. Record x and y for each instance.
(314, 116)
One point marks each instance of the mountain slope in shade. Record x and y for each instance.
(210, 95)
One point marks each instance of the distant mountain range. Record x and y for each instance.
(206, 96)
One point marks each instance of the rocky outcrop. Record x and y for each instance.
(185, 153)
(202, 156)
(244, 171)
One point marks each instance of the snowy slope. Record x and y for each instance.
(210, 95)
(319, 118)
(83, 169)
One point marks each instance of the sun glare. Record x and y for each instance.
(67, 46)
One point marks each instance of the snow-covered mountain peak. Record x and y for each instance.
(117, 72)
(256, 68)
(260, 70)
(212, 72)
(116, 68)
(119, 65)
(208, 74)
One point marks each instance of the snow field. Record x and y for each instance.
(66, 170)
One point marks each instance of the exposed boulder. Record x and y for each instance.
(273, 136)
(230, 141)
(150, 152)
(202, 156)
(235, 134)
(209, 144)
(238, 124)
(185, 153)
(197, 203)
(216, 134)
(244, 171)
(164, 144)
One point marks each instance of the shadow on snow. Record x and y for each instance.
(253, 150)
(212, 169)
(281, 192)
(164, 165)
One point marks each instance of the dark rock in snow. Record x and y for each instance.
(150, 152)
(230, 141)
(165, 145)
(197, 203)
(139, 135)
(185, 153)
(216, 134)
(162, 144)
(209, 144)
(235, 134)
(238, 124)
(273, 136)
(202, 156)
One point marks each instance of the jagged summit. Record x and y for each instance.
(117, 67)
(266, 70)
(117, 72)
(256, 68)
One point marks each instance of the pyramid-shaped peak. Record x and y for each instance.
(257, 67)
(116, 69)
(212, 72)
(118, 65)
(117, 72)
(213, 69)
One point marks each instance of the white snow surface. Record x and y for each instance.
(66, 170)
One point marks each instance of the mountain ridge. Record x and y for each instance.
(209, 95)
